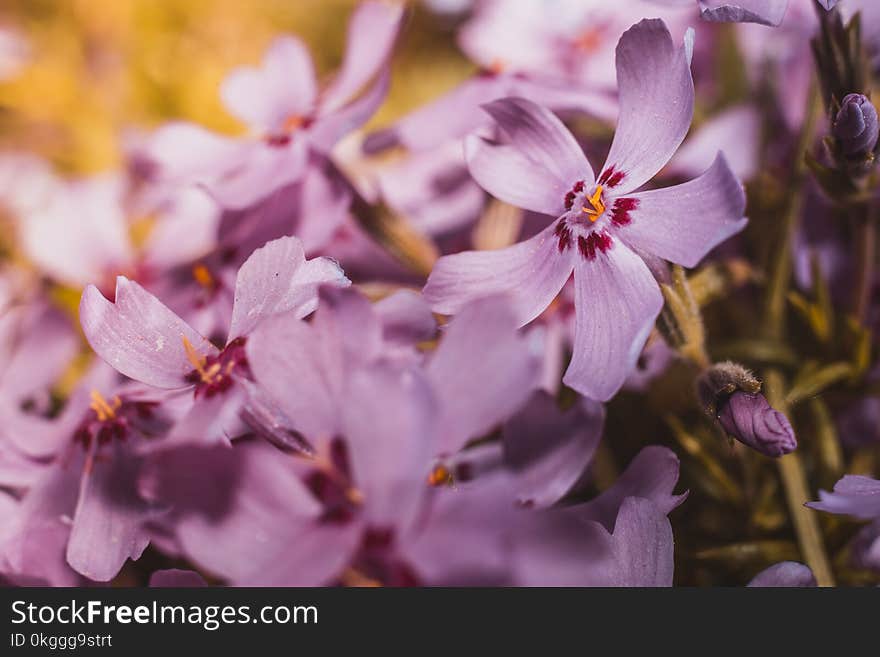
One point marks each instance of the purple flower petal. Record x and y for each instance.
(139, 336)
(656, 103)
(282, 87)
(785, 573)
(372, 32)
(643, 545)
(451, 116)
(651, 475)
(541, 138)
(765, 12)
(481, 344)
(390, 452)
(550, 450)
(277, 279)
(616, 301)
(260, 170)
(735, 131)
(301, 371)
(531, 273)
(329, 129)
(406, 318)
(854, 495)
(683, 223)
(109, 522)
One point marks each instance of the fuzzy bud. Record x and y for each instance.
(731, 395)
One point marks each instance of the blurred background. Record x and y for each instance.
(74, 74)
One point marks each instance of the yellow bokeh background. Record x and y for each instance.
(98, 67)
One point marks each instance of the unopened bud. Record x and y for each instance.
(856, 126)
(752, 421)
(731, 395)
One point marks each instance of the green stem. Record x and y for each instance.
(791, 470)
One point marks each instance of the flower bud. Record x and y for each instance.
(751, 420)
(731, 395)
(856, 127)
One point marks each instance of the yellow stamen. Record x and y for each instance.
(597, 206)
(355, 578)
(293, 123)
(203, 276)
(440, 476)
(103, 409)
(198, 362)
(589, 40)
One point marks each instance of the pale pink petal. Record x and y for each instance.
(616, 301)
(550, 451)
(406, 318)
(282, 88)
(451, 116)
(110, 517)
(683, 223)
(372, 32)
(652, 475)
(531, 273)
(765, 12)
(508, 175)
(260, 170)
(736, 132)
(542, 138)
(301, 372)
(390, 450)
(481, 344)
(656, 103)
(139, 336)
(277, 279)
(329, 129)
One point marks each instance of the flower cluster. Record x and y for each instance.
(445, 348)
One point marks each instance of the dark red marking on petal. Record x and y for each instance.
(563, 233)
(593, 243)
(616, 178)
(621, 209)
(611, 177)
(569, 200)
(578, 187)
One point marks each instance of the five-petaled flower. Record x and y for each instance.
(604, 228)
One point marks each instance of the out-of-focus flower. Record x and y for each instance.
(786, 573)
(88, 457)
(735, 131)
(141, 338)
(853, 495)
(560, 56)
(857, 496)
(14, 53)
(289, 116)
(765, 12)
(539, 166)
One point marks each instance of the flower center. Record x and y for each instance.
(589, 40)
(596, 207)
(103, 409)
(290, 125)
(214, 374)
(593, 237)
